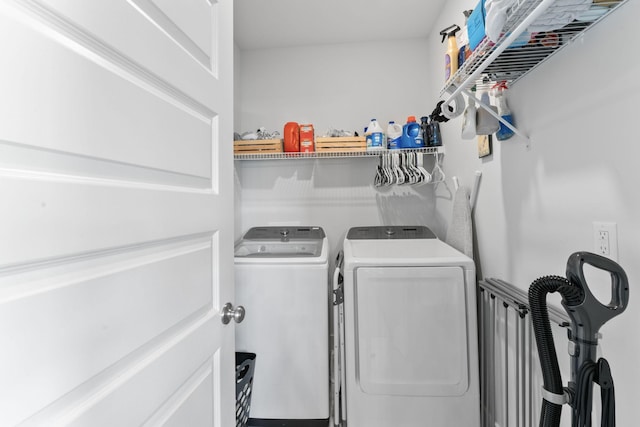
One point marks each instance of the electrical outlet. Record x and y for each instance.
(605, 239)
(602, 245)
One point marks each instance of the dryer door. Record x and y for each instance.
(412, 331)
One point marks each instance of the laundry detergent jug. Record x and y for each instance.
(291, 137)
(411, 134)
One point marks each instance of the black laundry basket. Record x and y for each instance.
(245, 366)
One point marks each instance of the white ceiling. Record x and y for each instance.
(260, 24)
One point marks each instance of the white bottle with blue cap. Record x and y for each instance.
(376, 139)
(394, 135)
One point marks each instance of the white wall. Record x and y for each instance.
(341, 86)
(537, 207)
(338, 85)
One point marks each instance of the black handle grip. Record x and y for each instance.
(619, 281)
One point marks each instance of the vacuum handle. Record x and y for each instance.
(619, 281)
(619, 286)
(588, 315)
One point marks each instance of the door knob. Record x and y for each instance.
(228, 313)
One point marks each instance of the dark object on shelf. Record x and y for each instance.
(437, 113)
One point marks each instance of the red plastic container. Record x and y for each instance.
(291, 137)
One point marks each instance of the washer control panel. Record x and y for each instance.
(284, 233)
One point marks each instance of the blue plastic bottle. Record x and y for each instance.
(435, 138)
(499, 92)
(411, 134)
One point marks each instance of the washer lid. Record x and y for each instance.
(281, 242)
(284, 234)
(401, 252)
(387, 232)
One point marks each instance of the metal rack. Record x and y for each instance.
(500, 62)
(508, 356)
(325, 155)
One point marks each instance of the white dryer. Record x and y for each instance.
(281, 276)
(409, 331)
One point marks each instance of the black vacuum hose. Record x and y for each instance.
(551, 412)
(600, 373)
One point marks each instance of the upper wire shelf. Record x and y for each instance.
(325, 155)
(501, 62)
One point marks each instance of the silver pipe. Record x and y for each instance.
(494, 312)
(519, 321)
(506, 364)
(483, 360)
(530, 369)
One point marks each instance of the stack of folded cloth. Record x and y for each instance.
(559, 14)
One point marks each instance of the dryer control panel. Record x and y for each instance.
(385, 232)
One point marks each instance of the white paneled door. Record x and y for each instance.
(116, 213)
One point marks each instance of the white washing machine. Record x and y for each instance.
(281, 276)
(409, 331)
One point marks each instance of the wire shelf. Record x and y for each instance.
(327, 155)
(512, 63)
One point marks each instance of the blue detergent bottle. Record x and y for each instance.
(411, 134)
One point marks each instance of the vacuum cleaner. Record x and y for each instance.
(586, 315)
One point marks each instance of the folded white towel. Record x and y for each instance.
(559, 14)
